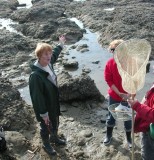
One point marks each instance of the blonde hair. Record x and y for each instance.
(115, 43)
(42, 47)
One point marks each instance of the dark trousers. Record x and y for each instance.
(110, 122)
(147, 146)
(46, 130)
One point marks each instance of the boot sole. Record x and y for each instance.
(129, 145)
(58, 143)
(50, 153)
(108, 142)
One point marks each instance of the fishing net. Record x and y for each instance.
(131, 58)
(121, 112)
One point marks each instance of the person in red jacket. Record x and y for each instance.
(116, 94)
(143, 119)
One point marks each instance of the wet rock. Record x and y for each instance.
(95, 62)
(20, 58)
(88, 106)
(70, 119)
(12, 43)
(63, 108)
(103, 120)
(13, 136)
(86, 70)
(76, 104)
(60, 60)
(81, 141)
(78, 154)
(85, 133)
(82, 47)
(84, 50)
(73, 46)
(22, 5)
(117, 19)
(71, 64)
(15, 107)
(27, 70)
(7, 7)
(33, 23)
(78, 88)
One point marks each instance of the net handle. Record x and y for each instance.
(132, 134)
(133, 120)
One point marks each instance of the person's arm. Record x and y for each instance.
(58, 49)
(108, 78)
(55, 54)
(124, 96)
(37, 96)
(143, 110)
(108, 74)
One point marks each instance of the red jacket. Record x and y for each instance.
(112, 76)
(145, 112)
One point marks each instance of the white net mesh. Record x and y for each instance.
(132, 57)
(120, 112)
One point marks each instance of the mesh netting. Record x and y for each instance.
(132, 57)
(120, 112)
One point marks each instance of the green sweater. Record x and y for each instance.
(44, 94)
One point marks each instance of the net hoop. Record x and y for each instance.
(131, 58)
(119, 114)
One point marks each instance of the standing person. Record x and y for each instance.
(143, 119)
(44, 93)
(116, 94)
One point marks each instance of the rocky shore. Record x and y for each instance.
(83, 107)
(117, 19)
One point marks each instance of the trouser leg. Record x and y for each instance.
(54, 138)
(129, 139)
(147, 146)
(44, 132)
(110, 123)
(108, 136)
(128, 128)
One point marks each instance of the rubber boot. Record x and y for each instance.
(55, 139)
(108, 137)
(47, 147)
(129, 139)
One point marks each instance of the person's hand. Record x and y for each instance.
(132, 96)
(62, 39)
(131, 102)
(124, 96)
(46, 120)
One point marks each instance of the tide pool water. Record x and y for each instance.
(27, 2)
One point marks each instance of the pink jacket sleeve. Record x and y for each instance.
(145, 111)
(108, 74)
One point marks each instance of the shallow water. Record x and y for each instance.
(79, 0)
(109, 9)
(27, 2)
(24, 93)
(87, 59)
(6, 23)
